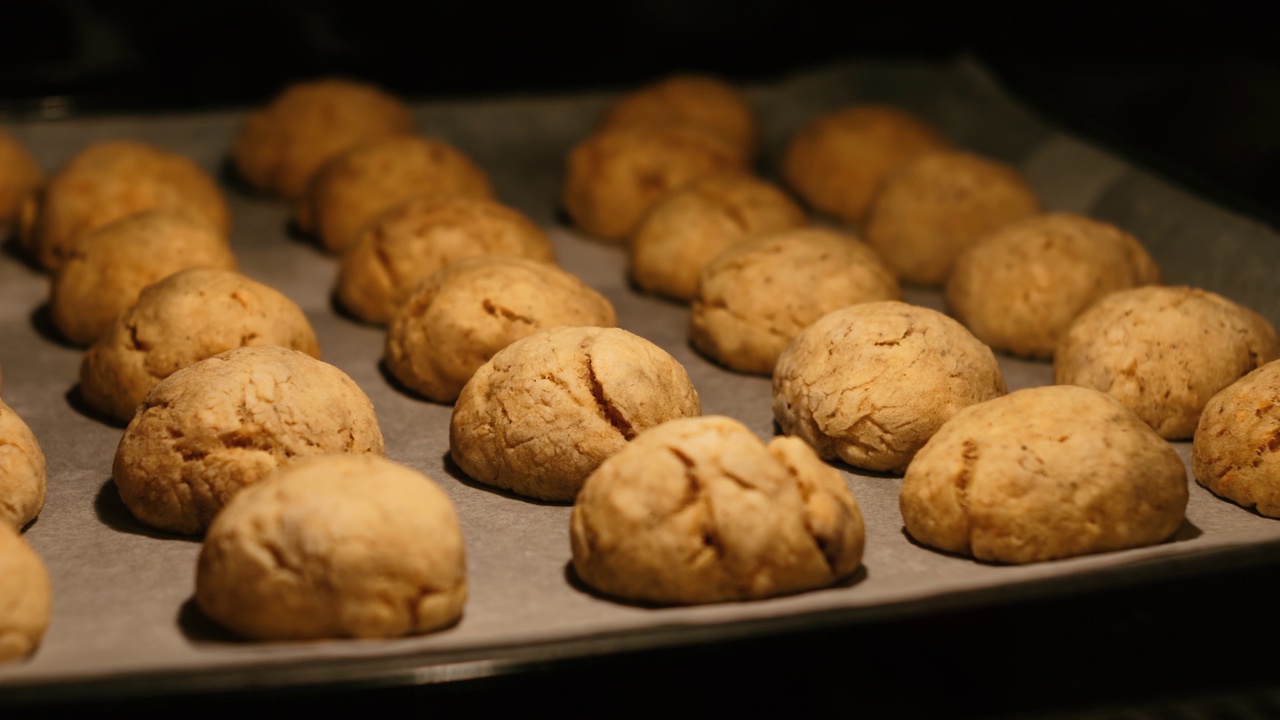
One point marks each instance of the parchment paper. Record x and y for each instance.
(121, 610)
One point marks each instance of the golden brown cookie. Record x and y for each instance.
(1236, 451)
(1020, 288)
(689, 227)
(934, 207)
(180, 320)
(282, 145)
(111, 180)
(22, 471)
(549, 408)
(837, 162)
(699, 510)
(25, 596)
(20, 176)
(407, 245)
(871, 383)
(1164, 351)
(215, 427)
(756, 296)
(108, 268)
(615, 177)
(335, 546)
(464, 314)
(352, 189)
(1043, 473)
(707, 103)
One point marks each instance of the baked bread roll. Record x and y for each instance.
(23, 473)
(25, 597)
(699, 101)
(1234, 453)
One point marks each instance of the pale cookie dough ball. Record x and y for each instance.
(1236, 451)
(282, 145)
(349, 546)
(758, 295)
(700, 511)
(352, 189)
(22, 471)
(108, 269)
(407, 245)
(934, 207)
(541, 415)
(1019, 289)
(20, 176)
(1044, 473)
(108, 181)
(707, 103)
(25, 597)
(215, 427)
(871, 383)
(460, 318)
(691, 226)
(1164, 351)
(180, 320)
(616, 176)
(837, 162)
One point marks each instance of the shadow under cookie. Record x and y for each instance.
(113, 513)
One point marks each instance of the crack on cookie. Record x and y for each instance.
(136, 342)
(607, 409)
(968, 458)
(505, 312)
(894, 342)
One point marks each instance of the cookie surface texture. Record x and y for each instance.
(1234, 452)
(25, 597)
(699, 101)
(23, 471)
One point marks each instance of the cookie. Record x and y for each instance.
(111, 180)
(1043, 473)
(837, 162)
(1164, 351)
(1234, 452)
(22, 471)
(1019, 289)
(616, 176)
(407, 245)
(350, 546)
(545, 411)
(352, 189)
(464, 314)
(213, 428)
(689, 227)
(700, 101)
(104, 274)
(871, 383)
(281, 146)
(756, 296)
(699, 511)
(20, 176)
(934, 207)
(25, 597)
(186, 317)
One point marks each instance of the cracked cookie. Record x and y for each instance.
(1020, 288)
(23, 472)
(351, 546)
(1164, 351)
(1236, 446)
(215, 427)
(20, 176)
(25, 597)
(699, 510)
(456, 321)
(1044, 473)
(407, 245)
(707, 103)
(549, 408)
(689, 227)
(756, 296)
(180, 320)
(870, 383)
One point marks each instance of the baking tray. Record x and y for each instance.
(123, 620)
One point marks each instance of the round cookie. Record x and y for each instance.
(407, 245)
(22, 471)
(699, 510)
(616, 176)
(707, 103)
(25, 597)
(212, 428)
(20, 176)
(335, 546)
(461, 317)
(689, 227)
(932, 208)
(1043, 473)
(108, 269)
(1234, 453)
(1020, 288)
(352, 189)
(178, 321)
(545, 411)
(871, 383)
(282, 145)
(108, 181)
(1164, 351)
(756, 296)
(837, 162)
